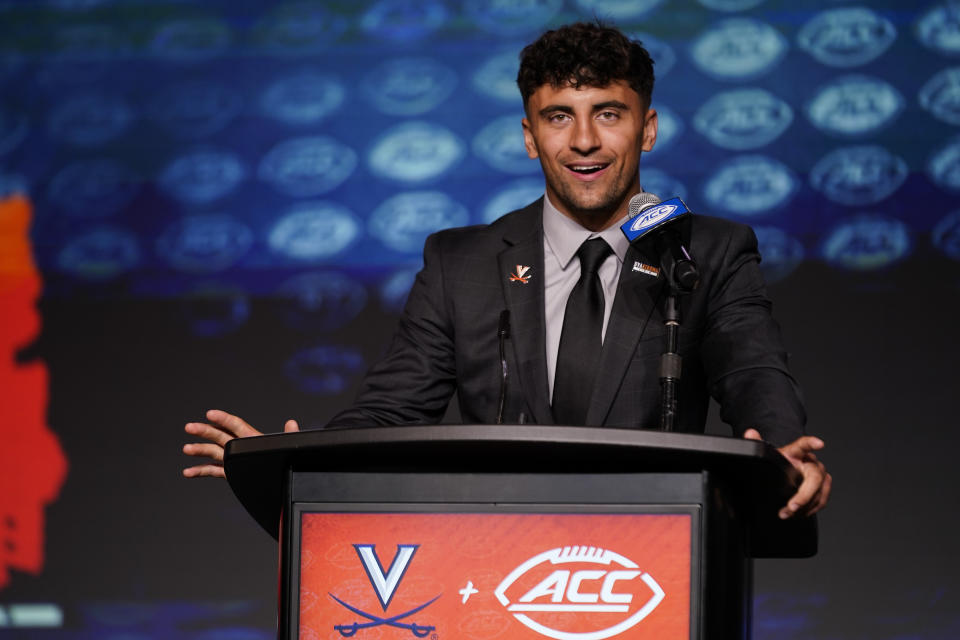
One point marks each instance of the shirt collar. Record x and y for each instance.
(564, 235)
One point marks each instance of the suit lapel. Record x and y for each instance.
(637, 295)
(526, 305)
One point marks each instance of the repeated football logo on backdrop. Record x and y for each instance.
(479, 576)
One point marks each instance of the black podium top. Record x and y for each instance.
(756, 472)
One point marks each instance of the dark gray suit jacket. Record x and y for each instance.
(447, 338)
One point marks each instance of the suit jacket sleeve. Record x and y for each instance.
(414, 381)
(743, 354)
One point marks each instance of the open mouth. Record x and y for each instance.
(587, 169)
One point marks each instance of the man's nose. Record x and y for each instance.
(584, 138)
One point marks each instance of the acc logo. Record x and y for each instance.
(743, 118)
(404, 19)
(195, 109)
(656, 181)
(611, 587)
(662, 53)
(101, 254)
(854, 105)
(858, 175)
(98, 187)
(946, 235)
(515, 195)
(302, 97)
(320, 300)
(408, 86)
(940, 95)
(191, 40)
(846, 37)
(308, 166)
(669, 128)
(511, 18)
(938, 29)
(404, 221)
(944, 165)
(497, 77)
(867, 242)
(619, 9)
(202, 176)
(90, 119)
(500, 145)
(205, 243)
(652, 216)
(781, 252)
(739, 49)
(298, 28)
(415, 152)
(749, 185)
(324, 370)
(313, 231)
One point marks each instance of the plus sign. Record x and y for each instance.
(468, 591)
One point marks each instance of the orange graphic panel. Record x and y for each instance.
(481, 576)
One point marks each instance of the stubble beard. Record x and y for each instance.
(596, 207)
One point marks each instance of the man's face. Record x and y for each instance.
(589, 142)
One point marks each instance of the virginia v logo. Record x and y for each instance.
(385, 584)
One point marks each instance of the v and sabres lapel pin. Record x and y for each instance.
(520, 275)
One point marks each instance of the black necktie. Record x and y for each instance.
(580, 338)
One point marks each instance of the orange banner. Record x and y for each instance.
(481, 576)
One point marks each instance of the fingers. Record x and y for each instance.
(752, 434)
(204, 470)
(802, 448)
(813, 493)
(232, 424)
(290, 426)
(204, 450)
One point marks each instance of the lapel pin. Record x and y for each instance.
(520, 275)
(645, 268)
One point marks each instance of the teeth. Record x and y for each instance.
(592, 167)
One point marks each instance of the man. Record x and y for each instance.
(586, 90)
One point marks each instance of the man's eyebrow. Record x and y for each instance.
(611, 104)
(553, 108)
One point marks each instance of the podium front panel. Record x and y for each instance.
(478, 556)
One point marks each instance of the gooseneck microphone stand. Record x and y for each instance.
(682, 278)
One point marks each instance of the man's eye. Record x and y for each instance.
(558, 117)
(608, 115)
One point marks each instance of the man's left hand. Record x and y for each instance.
(814, 491)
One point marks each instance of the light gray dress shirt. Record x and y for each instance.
(562, 237)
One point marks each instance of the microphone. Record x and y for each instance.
(665, 224)
(503, 332)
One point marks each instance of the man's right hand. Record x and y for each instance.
(221, 429)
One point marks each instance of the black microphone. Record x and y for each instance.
(666, 224)
(503, 332)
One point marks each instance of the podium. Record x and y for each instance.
(517, 531)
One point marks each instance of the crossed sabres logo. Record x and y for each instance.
(385, 585)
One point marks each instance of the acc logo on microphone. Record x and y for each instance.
(652, 216)
(854, 105)
(612, 590)
(739, 49)
(743, 118)
(857, 176)
(847, 37)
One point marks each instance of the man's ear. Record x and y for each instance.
(528, 140)
(649, 130)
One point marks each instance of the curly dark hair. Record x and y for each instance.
(585, 54)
